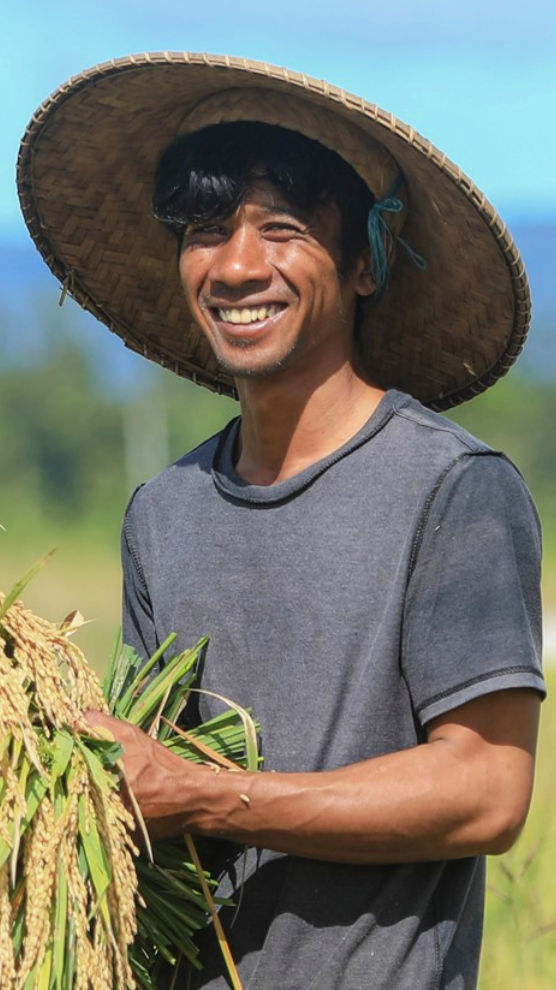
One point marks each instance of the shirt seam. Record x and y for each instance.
(429, 502)
(472, 444)
(131, 545)
(227, 487)
(479, 679)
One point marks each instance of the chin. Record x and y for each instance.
(263, 368)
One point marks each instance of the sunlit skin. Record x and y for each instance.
(301, 355)
(464, 792)
(268, 255)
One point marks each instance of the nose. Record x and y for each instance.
(240, 262)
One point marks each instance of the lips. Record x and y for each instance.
(247, 314)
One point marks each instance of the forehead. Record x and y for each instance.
(263, 196)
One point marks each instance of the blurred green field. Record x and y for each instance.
(520, 935)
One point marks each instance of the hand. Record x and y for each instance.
(156, 777)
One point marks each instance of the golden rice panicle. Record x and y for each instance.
(112, 822)
(105, 927)
(7, 960)
(31, 646)
(86, 961)
(102, 976)
(15, 720)
(12, 804)
(14, 701)
(94, 967)
(82, 684)
(114, 825)
(41, 850)
(68, 883)
(63, 681)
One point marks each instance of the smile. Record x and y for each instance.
(248, 315)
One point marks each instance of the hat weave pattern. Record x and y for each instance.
(85, 178)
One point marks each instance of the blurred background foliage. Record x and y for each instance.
(82, 422)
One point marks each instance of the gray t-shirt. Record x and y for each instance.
(383, 586)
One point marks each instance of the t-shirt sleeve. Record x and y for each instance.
(472, 622)
(138, 628)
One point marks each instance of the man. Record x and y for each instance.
(367, 571)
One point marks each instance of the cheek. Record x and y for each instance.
(191, 278)
(311, 274)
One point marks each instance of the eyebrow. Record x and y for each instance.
(286, 210)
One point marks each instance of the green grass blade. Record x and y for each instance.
(109, 678)
(100, 766)
(22, 583)
(24, 770)
(249, 725)
(144, 671)
(60, 754)
(43, 981)
(171, 676)
(34, 793)
(97, 862)
(60, 925)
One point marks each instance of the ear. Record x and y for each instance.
(364, 282)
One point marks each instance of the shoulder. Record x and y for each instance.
(421, 451)
(454, 468)
(427, 429)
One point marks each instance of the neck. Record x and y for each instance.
(287, 426)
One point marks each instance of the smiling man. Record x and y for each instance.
(368, 572)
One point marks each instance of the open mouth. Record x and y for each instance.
(248, 314)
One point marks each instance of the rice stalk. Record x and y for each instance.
(56, 909)
(80, 908)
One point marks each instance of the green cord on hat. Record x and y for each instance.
(380, 235)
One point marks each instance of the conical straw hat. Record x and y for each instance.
(85, 177)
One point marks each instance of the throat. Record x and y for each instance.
(273, 448)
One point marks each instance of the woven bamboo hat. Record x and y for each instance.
(85, 178)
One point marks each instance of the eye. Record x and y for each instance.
(284, 229)
(208, 232)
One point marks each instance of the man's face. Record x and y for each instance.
(263, 286)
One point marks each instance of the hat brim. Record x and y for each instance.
(85, 177)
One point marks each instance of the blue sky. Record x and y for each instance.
(478, 79)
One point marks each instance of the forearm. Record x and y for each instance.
(417, 805)
(464, 792)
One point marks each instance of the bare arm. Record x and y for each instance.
(464, 792)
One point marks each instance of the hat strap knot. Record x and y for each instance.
(381, 238)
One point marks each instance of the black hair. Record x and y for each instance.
(206, 175)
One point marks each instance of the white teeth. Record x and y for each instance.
(247, 315)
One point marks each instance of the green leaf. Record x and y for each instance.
(101, 756)
(43, 981)
(97, 861)
(60, 754)
(60, 926)
(249, 725)
(159, 689)
(18, 929)
(144, 671)
(25, 767)
(34, 793)
(22, 583)
(171, 887)
(30, 981)
(108, 684)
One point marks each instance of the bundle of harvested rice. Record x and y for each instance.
(79, 906)
(67, 875)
